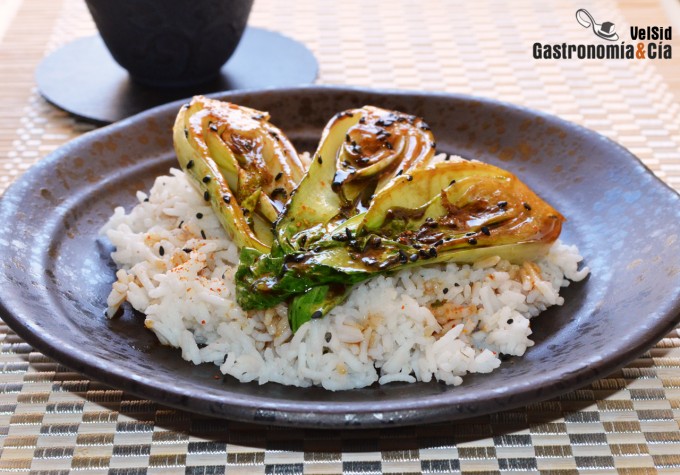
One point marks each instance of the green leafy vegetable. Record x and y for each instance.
(457, 211)
(360, 152)
(372, 201)
(315, 303)
(243, 165)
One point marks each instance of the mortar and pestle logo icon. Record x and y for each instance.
(605, 30)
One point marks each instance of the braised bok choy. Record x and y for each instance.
(373, 200)
(244, 166)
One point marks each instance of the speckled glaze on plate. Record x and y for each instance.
(55, 271)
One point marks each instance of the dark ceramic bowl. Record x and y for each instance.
(56, 271)
(171, 43)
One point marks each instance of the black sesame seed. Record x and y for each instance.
(413, 257)
(190, 164)
(400, 172)
(213, 127)
(456, 284)
(180, 224)
(203, 234)
(319, 159)
(299, 257)
(472, 241)
(377, 242)
(409, 178)
(187, 250)
(433, 144)
(278, 176)
(527, 206)
(510, 320)
(348, 233)
(423, 253)
(318, 249)
(362, 120)
(439, 243)
(469, 234)
(161, 251)
(388, 145)
(347, 139)
(279, 191)
(486, 231)
(206, 179)
(206, 196)
(403, 258)
(303, 240)
(226, 199)
(328, 337)
(317, 314)
(432, 252)
(199, 215)
(339, 237)
(445, 290)
(502, 204)
(452, 182)
(146, 200)
(245, 211)
(447, 158)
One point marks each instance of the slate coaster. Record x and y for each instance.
(83, 79)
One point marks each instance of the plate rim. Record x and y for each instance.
(346, 414)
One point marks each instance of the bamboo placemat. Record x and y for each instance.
(53, 420)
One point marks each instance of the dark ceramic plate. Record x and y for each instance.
(56, 272)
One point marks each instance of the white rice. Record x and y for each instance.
(435, 322)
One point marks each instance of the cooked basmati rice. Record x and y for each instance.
(176, 265)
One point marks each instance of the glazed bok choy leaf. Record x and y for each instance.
(361, 151)
(457, 211)
(243, 165)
